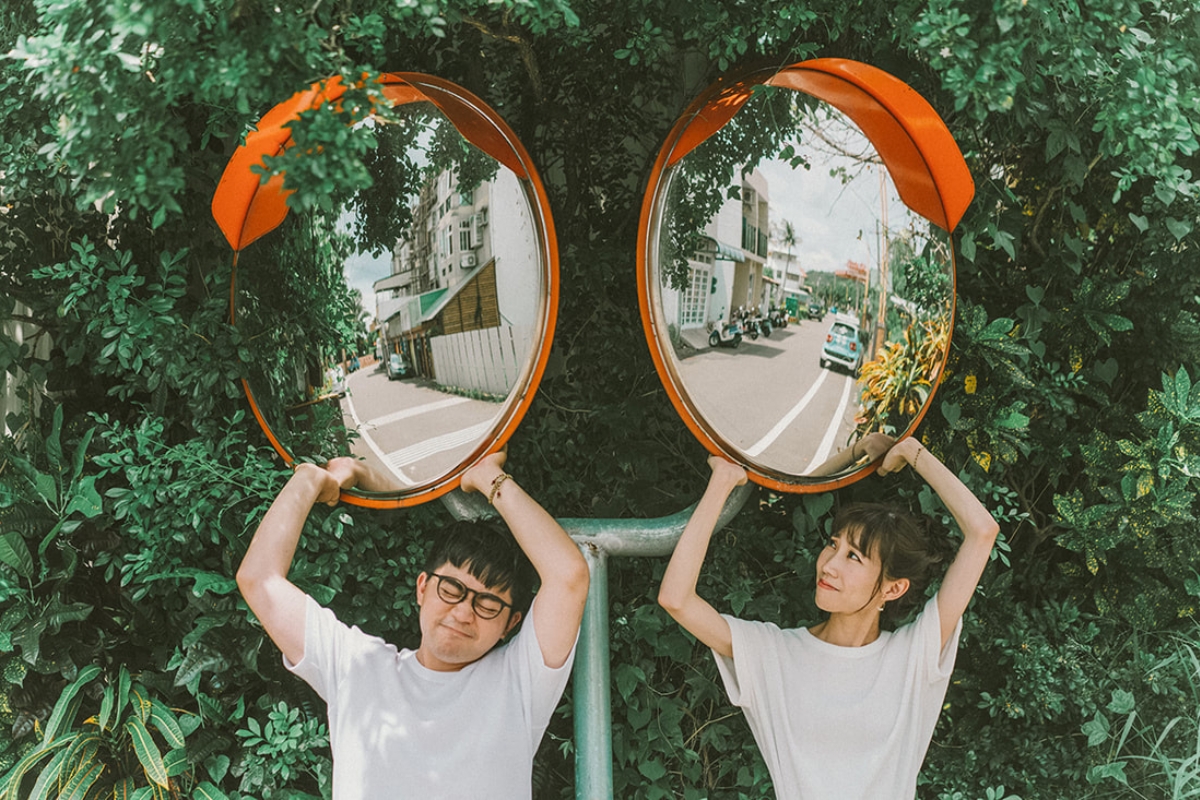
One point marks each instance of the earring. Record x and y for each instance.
(881, 608)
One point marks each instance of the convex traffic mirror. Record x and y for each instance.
(796, 267)
(452, 253)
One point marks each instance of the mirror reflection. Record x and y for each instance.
(801, 305)
(437, 276)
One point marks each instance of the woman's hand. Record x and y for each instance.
(725, 471)
(874, 445)
(903, 453)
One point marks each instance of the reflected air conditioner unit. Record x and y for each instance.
(468, 260)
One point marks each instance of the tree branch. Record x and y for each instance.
(523, 45)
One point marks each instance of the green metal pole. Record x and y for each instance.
(600, 538)
(593, 715)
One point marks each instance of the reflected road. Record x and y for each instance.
(410, 430)
(771, 399)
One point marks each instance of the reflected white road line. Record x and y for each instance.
(366, 437)
(438, 444)
(787, 419)
(831, 432)
(437, 405)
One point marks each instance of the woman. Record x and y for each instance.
(844, 709)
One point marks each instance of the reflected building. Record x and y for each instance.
(461, 301)
(728, 271)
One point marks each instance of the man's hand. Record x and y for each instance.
(327, 480)
(480, 475)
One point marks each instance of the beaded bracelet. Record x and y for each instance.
(499, 479)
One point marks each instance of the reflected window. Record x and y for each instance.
(693, 305)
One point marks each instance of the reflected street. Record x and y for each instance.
(771, 399)
(407, 428)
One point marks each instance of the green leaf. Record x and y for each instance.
(125, 789)
(106, 706)
(47, 487)
(1106, 370)
(15, 553)
(141, 702)
(1096, 730)
(166, 723)
(84, 498)
(147, 752)
(1122, 702)
(1179, 228)
(196, 661)
(1114, 771)
(215, 583)
(81, 454)
(49, 777)
(176, 762)
(65, 704)
(82, 781)
(952, 412)
(122, 693)
(206, 791)
(16, 775)
(1015, 420)
(653, 769)
(628, 678)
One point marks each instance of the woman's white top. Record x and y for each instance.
(841, 723)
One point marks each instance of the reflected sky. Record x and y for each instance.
(836, 216)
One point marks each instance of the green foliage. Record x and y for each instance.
(133, 478)
(287, 746)
(135, 745)
(1137, 530)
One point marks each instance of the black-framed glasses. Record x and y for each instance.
(454, 591)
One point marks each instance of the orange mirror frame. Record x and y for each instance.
(918, 150)
(246, 207)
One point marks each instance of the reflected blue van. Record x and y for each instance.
(842, 347)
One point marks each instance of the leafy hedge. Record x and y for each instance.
(133, 477)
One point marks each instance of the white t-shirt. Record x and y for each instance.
(399, 730)
(841, 723)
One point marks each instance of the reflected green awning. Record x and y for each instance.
(720, 251)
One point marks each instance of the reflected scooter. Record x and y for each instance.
(754, 324)
(778, 317)
(727, 334)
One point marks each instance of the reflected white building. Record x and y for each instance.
(727, 273)
(469, 263)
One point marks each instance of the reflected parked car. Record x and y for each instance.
(397, 367)
(843, 346)
(816, 311)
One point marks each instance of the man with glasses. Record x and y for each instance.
(458, 717)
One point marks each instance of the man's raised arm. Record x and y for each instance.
(558, 608)
(262, 577)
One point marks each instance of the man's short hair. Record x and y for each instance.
(489, 553)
